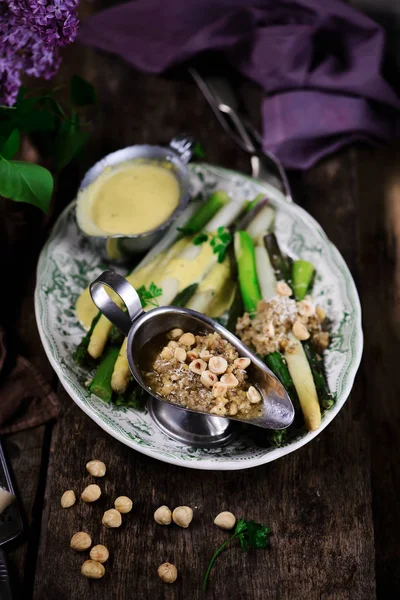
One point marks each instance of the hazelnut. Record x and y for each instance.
(112, 518)
(182, 516)
(300, 330)
(173, 344)
(99, 553)
(270, 329)
(282, 289)
(91, 493)
(198, 366)
(225, 520)
(233, 409)
(68, 499)
(187, 339)
(92, 569)
(163, 515)
(219, 409)
(253, 395)
(80, 541)
(208, 379)
(192, 354)
(96, 468)
(167, 353)
(219, 389)
(205, 355)
(306, 307)
(180, 354)
(229, 380)
(176, 333)
(123, 504)
(321, 314)
(217, 365)
(241, 363)
(167, 572)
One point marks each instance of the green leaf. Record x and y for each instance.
(200, 239)
(11, 145)
(82, 92)
(149, 296)
(240, 526)
(69, 142)
(26, 182)
(258, 535)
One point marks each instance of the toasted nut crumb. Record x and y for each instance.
(242, 363)
(253, 395)
(219, 410)
(96, 468)
(283, 289)
(163, 515)
(167, 572)
(112, 518)
(80, 541)
(225, 520)
(182, 516)
(229, 380)
(180, 354)
(92, 569)
(270, 329)
(99, 553)
(68, 499)
(187, 339)
(91, 493)
(233, 409)
(300, 330)
(167, 353)
(176, 333)
(321, 314)
(219, 389)
(217, 365)
(123, 504)
(198, 366)
(208, 379)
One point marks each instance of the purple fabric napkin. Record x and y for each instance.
(319, 63)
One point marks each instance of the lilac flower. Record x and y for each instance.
(31, 32)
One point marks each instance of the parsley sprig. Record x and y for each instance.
(219, 241)
(148, 297)
(250, 535)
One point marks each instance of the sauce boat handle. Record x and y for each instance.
(108, 307)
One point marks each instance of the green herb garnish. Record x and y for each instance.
(250, 534)
(219, 241)
(148, 297)
(200, 239)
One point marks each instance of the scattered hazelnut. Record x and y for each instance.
(99, 553)
(241, 363)
(123, 504)
(182, 516)
(167, 353)
(225, 520)
(91, 493)
(68, 499)
(167, 572)
(219, 409)
(180, 354)
(112, 518)
(253, 395)
(283, 289)
(198, 366)
(96, 468)
(217, 365)
(163, 515)
(306, 307)
(300, 330)
(321, 314)
(92, 569)
(176, 333)
(205, 355)
(229, 380)
(173, 344)
(219, 389)
(192, 354)
(233, 409)
(208, 379)
(187, 339)
(80, 541)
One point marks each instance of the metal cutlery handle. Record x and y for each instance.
(5, 586)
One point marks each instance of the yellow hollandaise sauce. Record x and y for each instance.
(132, 198)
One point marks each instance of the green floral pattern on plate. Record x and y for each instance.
(69, 262)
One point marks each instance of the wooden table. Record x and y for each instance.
(334, 505)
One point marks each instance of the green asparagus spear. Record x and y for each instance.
(278, 261)
(81, 355)
(183, 297)
(101, 383)
(246, 262)
(325, 397)
(205, 213)
(302, 275)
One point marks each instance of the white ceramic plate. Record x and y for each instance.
(68, 263)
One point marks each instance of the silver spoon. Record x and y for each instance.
(140, 327)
